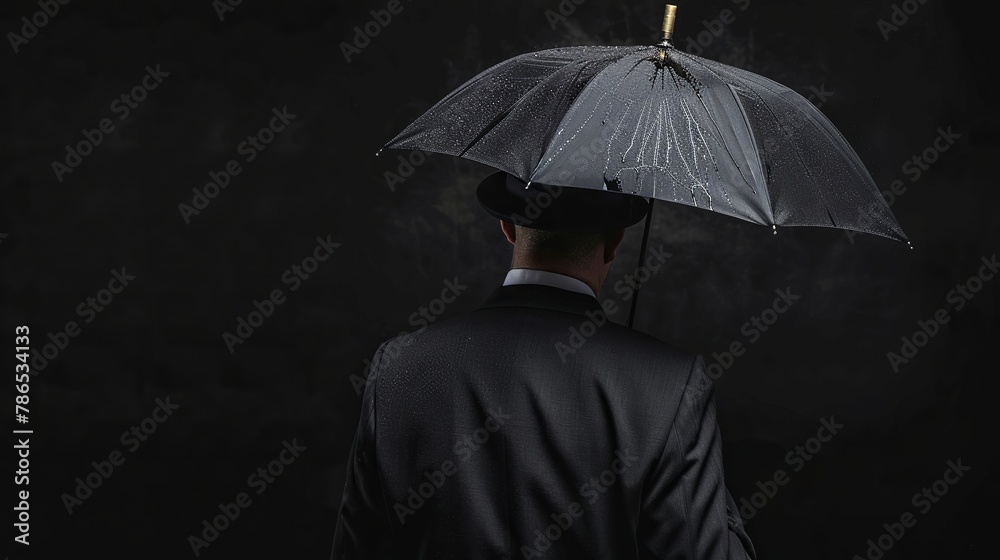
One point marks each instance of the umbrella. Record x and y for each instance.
(656, 122)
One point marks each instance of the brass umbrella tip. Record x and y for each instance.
(669, 16)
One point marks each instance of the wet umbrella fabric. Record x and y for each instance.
(657, 122)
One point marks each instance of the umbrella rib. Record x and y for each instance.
(650, 125)
(687, 167)
(486, 130)
(661, 108)
(634, 133)
(607, 159)
(798, 156)
(716, 125)
(502, 116)
(485, 74)
(753, 139)
(692, 127)
(628, 103)
(834, 136)
(610, 62)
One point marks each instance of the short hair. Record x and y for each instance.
(573, 248)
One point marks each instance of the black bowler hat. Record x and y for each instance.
(554, 208)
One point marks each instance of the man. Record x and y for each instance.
(481, 439)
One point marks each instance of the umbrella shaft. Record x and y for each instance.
(642, 259)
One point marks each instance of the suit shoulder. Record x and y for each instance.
(440, 328)
(649, 343)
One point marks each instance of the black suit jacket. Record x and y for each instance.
(535, 428)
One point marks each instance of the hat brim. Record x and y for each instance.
(556, 208)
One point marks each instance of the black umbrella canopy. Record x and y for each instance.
(657, 122)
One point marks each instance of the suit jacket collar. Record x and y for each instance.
(541, 297)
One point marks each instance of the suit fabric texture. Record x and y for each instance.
(499, 434)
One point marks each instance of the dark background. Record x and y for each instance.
(292, 379)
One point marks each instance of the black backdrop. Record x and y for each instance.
(82, 207)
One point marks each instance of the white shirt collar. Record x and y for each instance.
(544, 277)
